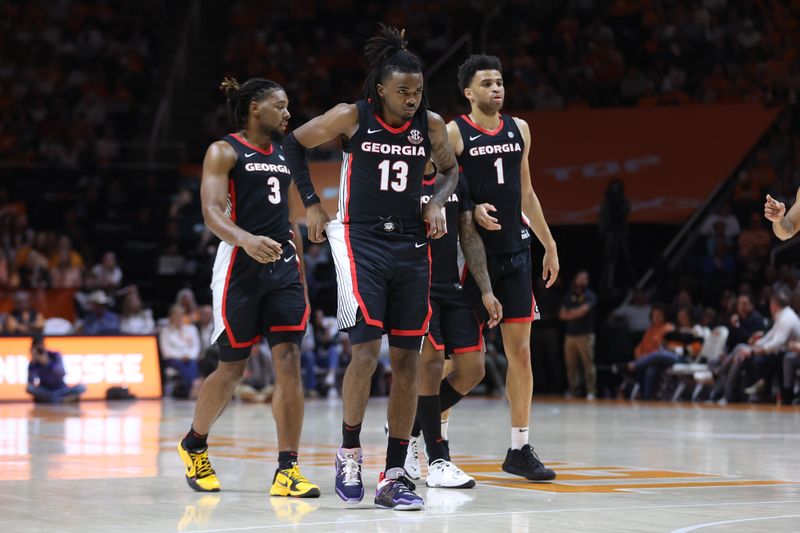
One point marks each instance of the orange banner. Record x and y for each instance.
(670, 158)
(97, 362)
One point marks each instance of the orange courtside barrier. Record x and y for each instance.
(670, 158)
(97, 362)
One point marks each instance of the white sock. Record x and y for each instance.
(519, 438)
(444, 428)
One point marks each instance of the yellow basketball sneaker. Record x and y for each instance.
(199, 474)
(290, 482)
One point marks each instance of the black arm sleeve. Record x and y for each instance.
(298, 163)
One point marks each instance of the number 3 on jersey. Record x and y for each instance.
(400, 180)
(274, 186)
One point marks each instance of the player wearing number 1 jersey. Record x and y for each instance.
(256, 284)
(380, 245)
(492, 150)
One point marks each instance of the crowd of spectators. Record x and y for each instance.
(73, 75)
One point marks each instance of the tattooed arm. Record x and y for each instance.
(475, 255)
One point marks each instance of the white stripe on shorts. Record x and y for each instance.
(218, 274)
(347, 310)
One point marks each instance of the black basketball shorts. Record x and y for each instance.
(512, 283)
(252, 299)
(454, 327)
(383, 278)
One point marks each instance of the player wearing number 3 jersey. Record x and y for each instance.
(380, 245)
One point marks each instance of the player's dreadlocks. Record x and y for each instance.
(238, 97)
(387, 52)
(473, 64)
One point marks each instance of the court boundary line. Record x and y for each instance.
(687, 529)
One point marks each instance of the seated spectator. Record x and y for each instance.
(653, 338)
(185, 298)
(755, 241)
(578, 311)
(46, 376)
(728, 372)
(135, 320)
(730, 224)
(206, 326)
(681, 346)
(180, 349)
(257, 384)
(35, 273)
(65, 252)
(791, 364)
(100, 320)
(64, 274)
(106, 275)
(636, 314)
(745, 322)
(23, 319)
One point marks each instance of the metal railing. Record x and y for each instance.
(177, 74)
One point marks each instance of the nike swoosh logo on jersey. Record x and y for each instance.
(289, 259)
(471, 138)
(371, 131)
(419, 245)
(309, 197)
(250, 154)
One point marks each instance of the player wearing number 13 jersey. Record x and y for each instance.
(492, 150)
(379, 241)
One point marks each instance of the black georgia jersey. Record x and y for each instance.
(382, 171)
(444, 251)
(258, 185)
(491, 162)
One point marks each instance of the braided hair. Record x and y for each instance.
(238, 97)
(387, 52)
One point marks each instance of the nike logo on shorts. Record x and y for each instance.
(420, 245)
(250, 154)
(289, 258)
(371, 131)
(471, 138)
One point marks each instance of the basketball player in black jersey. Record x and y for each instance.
(380, 247)
(455, 331)
(257, 285)
(492, 150)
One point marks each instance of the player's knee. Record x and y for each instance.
(405, 363)
(364, 360)
(231, 371)
(519, 353)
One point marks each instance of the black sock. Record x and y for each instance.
(396, 453)
(287, 460)
(195, 441)
(351, 436)
(448, 396)
(416, 430)
(429, 415)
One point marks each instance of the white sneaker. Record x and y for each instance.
(444, 474)
(412, 466)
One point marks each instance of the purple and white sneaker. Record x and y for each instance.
(349, 486)
(397, 492)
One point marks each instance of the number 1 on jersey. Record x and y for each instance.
(400, 179)
(498, 164)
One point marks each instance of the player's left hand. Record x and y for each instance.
(494, 308)
(433, 214)
(550, 268)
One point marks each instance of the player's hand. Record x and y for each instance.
(316, 220)
(550, 268)
(484, 219)
(433, 214)
(774, 210)
(493, 307)
(262, 249)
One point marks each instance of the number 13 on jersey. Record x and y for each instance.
(400, 179)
